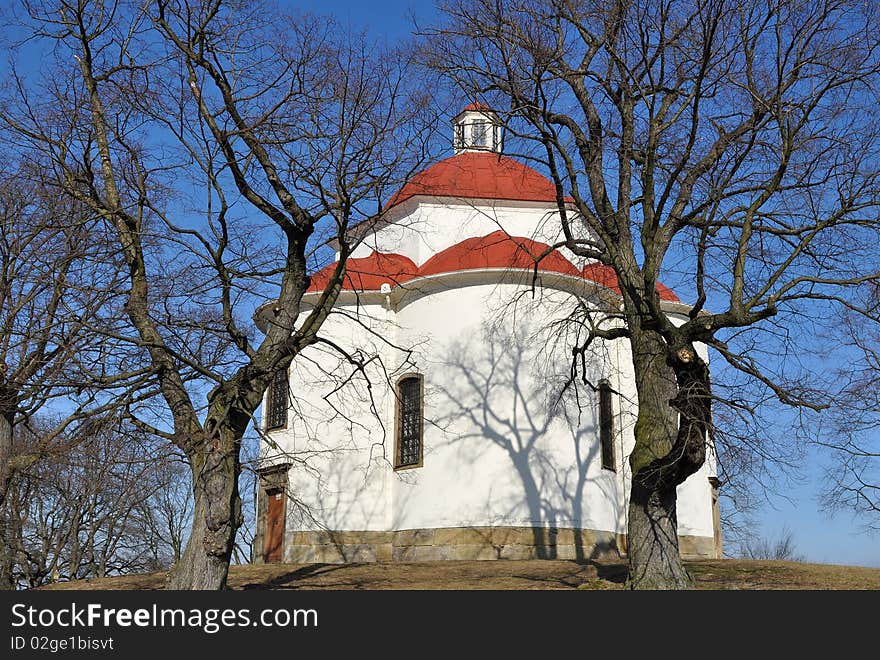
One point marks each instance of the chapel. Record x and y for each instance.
(441, 420)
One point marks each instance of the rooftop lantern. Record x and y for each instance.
(477, 129)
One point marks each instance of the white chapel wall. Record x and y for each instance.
(419, 231)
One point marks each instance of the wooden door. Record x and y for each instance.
(274, 526)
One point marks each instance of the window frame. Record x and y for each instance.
(398, 427)
(270, 396)
(606, 426)
(485, 127)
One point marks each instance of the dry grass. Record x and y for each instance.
(537, 574)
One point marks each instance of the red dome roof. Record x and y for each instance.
(497, 250)
(479, 175)
(368, 273)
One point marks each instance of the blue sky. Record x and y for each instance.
(818, 536)
(391, 18)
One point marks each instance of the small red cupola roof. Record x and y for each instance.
(476, 106)
(497, 250)
(368, 273)
(479, 175)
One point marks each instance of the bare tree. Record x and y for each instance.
(223, 143)
(165, 515)
(783, 548)
(90, 511)
(853, 474)
(55, 279)
(50, 289)
(730, 148)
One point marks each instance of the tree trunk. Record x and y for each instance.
(6, 424)
(6, 550)
(7, 554)
(669, 446)
(652, 543)
(216, 517)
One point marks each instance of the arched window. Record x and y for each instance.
(409, 424)
(606, 425)
(276, 401)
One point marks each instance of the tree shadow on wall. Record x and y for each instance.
(506, 397)
(344, 488)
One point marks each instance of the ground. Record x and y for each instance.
(535, 574)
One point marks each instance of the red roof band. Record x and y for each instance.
(497, 250)
(368, 273)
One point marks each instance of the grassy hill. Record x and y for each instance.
(535, 574)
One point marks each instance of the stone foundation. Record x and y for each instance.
(467, 543)
(699, 547)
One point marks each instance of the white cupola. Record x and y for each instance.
(477, 128)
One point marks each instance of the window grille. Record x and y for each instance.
(606, 425)
(409, 422)
(276, 416)
(480, 134)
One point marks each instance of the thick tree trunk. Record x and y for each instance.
(6, 549)
(6, 423)
(652, 547)
(216, 517)
(669, 446)
(7, 554)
